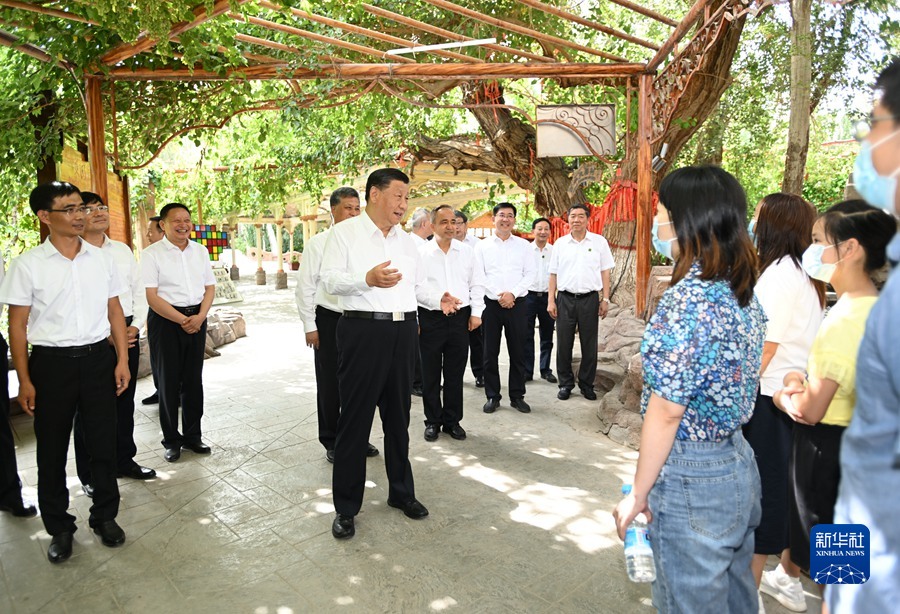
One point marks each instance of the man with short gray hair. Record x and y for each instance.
(420, 222)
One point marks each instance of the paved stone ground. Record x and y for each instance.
(520, 511)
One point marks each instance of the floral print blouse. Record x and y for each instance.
(703, 351)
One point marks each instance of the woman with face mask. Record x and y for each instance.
(848, 244)
(794, 305)
(696, 479)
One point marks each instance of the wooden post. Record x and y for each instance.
(96, 137)
(644, 195)
(260, 273)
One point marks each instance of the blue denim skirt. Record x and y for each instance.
(705, 506)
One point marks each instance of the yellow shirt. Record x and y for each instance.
(833, 354)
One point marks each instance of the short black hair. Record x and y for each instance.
(155, 218)
(462, 216)
(382, 178)
(42, 197)
(872, 227)
(164, 212)
(538, 221)
(341, 193)
(888, 83)
(90, 197)
(581, 206)
(434, 211)
(500, 206)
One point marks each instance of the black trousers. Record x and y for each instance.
(62, 386)
(178, 357)
(577, 314)
(476, 352)
(125, 448)
(328, 400)
(443, 344)
(495, 321)
(536, 308)
(375, 369)
(10, 484)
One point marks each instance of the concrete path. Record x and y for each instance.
(520, 511)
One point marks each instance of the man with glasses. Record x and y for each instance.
(507, 265)
(63, 300)
(476, 336)
(154, 234)
(134, 307)
(870, 448)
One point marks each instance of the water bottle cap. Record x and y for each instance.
(626, 489)
(641, 518)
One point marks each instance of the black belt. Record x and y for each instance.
(325, 311)
(390, 316)
(466, 311)
(72, 351)
(533, 293)
(576, 295)
(188, 311)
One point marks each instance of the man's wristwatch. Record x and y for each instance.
(605, 300)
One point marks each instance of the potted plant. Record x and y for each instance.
(295, 262)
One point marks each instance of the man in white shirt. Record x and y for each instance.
(420, 226)
(536, 304)
(508, 268)
(374, 267)
(180, 288)
(443, 339)
(476, 336)
(154, 234)
(320, 313)
(134, 307)
(63, 300)
(579, 274)
(10, 484)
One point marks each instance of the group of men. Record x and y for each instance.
(381, 306)
(80, 300)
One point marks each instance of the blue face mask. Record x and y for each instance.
(663, 247)
(751, 230)
(813, 265)
(877, 190)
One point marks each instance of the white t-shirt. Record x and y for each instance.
(792, 308)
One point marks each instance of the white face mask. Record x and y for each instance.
(813, 265)
(877, 190)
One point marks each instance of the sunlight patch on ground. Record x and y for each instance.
(205, 520)
(346, 600)
(323, 507)
(439, 605)
(546, 506)
(550, 453)
(489, 477)
(590, 536)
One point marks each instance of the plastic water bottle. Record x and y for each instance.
(638, 552)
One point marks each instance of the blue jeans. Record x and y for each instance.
(705, 506)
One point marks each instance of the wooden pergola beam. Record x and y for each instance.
(637, 8)
(362, 72)
(32, 8)
(425, 27)
(128, 50)
(328, 40)
(552, 10)
(511, 27)
(12, 41)
(693, 15)
(387, 38)
(264, 42)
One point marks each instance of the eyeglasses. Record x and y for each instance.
(90, 209)
(861, 129)
(70, 211)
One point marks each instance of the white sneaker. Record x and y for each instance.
(762, 606)
(785, 589)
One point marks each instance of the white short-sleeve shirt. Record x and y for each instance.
(453, 272)
(180, 276)
(578, 264)
(69, 299)
(794, 315)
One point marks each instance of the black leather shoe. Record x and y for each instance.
(563, 394)
(329, 456)
(136, 472)
(88, 490)
(455, 431)
(111, 534)
(431, 432)
(548, 376)
(370, 451)
(60, 547)
(19, 509)
(153, 399)
(491, 406)
(589, 394)
(412, 508)
(197, 448)
(417, 391)
(521, 405)
(479, 382)
(342, 527)
(173, 454)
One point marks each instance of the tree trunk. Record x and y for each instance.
(801, 75)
